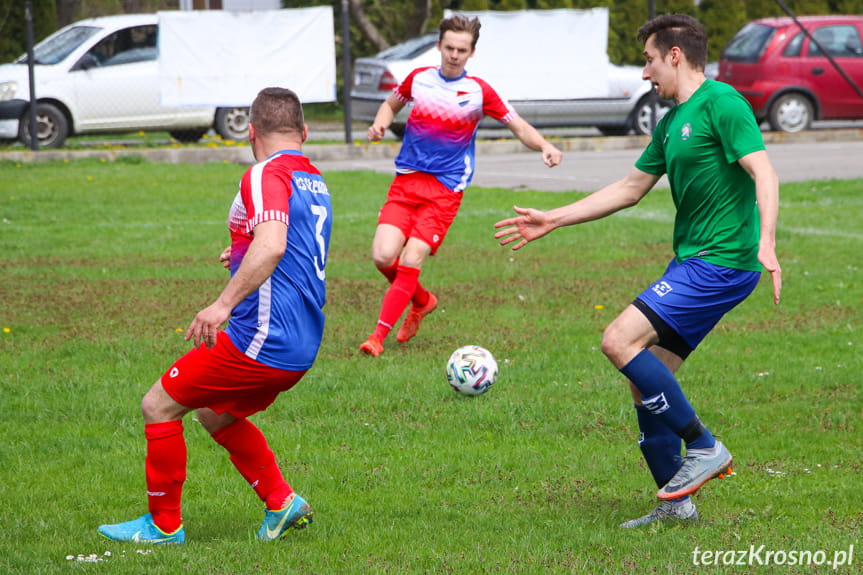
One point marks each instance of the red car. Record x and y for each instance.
(786, 76)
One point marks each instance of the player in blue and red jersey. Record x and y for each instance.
(280, 225)
(434, 166)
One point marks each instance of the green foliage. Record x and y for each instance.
(507, 5)
(552, 4)
(13, 26)
(104, 262)
(473, 5)
(722, 19)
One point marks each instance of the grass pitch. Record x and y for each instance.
(105, 264)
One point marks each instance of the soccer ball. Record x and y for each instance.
(471, 370)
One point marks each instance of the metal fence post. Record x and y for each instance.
(346, 67)
(34, 128)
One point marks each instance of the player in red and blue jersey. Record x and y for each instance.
(280, 225)
(434, 166)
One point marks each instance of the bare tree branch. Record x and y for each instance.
(366, 27)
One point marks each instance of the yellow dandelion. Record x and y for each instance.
(89, 178)
(6, 330)
(141, 133)
(598, 306)
(179, 330)
(103, 160)
(65, 160)
(11, 197)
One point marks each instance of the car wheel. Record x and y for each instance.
(791, 112)
(641, 119)
(233, 123)
(188, 136)
(52, 127)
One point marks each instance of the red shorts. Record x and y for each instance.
(224, 379)
(421, 207)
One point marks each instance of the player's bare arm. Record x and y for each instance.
(264, 253)
(758, 166)
(384, 118)
(530, 137)
(531, 225)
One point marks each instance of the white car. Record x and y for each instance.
(628, 108)
(102, 75)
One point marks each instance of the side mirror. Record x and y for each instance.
(86, 62)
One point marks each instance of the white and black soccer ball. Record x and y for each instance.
(471, 370)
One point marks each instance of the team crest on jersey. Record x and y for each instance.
(462, 98)
(174, 372)
(686, 131)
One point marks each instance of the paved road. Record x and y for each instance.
(591, 169)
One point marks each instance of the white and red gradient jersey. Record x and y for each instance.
(441, 129)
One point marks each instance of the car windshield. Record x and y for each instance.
(749, 43)
(55, 48)
(410, 49)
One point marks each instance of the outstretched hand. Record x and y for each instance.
(771, 264)
(529, 225)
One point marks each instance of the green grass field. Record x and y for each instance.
(105, 264)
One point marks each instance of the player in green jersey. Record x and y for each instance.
(726, 194)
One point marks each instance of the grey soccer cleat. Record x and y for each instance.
(699, 467)
(671, 511)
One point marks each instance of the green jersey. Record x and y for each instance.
(697, 143)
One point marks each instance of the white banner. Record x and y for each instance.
(543, 54)
(219, 58)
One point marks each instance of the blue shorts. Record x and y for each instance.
(691, 297)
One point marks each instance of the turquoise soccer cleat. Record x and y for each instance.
(142, 530)
(297, 514)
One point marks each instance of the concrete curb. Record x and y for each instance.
(242, 154)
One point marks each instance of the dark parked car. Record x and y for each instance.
(786, 76)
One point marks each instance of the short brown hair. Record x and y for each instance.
(277, 110)
(461, 23)
(679, 30)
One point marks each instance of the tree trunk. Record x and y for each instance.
(416, 25)
(66, 11)
(366, 27)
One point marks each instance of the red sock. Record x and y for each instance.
(390, 272)
(396, 300)
(255, 461)
(166, 471)
(421, 295)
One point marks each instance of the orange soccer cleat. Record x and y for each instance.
(415, 316)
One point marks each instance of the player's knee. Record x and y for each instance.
(212, 421)
(611, 344)
(157, 406)
(383, 260)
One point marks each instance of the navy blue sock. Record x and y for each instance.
(663, 397)
(659, 445)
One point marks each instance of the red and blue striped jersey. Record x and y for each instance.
(282, 323)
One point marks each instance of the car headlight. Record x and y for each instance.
(8, 90)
